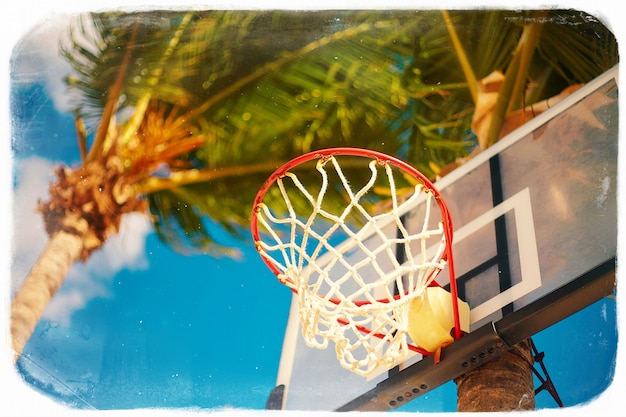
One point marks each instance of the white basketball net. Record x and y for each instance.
(346, 290)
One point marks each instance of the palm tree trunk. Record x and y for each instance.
(62, 250)
(503, 384)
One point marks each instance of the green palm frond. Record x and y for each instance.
(319, 92)
(261, 87)
(577, 46)
(158, 65)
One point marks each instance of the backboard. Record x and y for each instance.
(535, 241)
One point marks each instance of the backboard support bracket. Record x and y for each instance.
(488, 342)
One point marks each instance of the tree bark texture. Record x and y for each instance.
(503, 384)
(45, 278)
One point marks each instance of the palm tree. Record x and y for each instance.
(502, 384)
(175, 108)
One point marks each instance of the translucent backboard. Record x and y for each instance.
(532, 215)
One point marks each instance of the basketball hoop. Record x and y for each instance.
(332, 226)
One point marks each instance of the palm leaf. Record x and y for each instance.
(97, 50)
(273, 85)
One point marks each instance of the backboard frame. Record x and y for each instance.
(488, 342)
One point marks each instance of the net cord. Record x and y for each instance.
(378, 325)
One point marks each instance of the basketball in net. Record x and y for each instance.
(361, 237)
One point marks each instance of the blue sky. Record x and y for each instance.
(139, 325)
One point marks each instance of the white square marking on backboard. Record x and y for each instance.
(529, 259)
(520, 204)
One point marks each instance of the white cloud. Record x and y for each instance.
(36, 58)
(65, 302)
(29, 237)
(84, 281)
